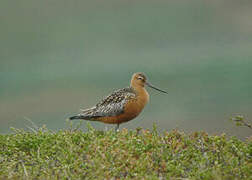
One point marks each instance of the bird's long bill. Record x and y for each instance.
(151, 86)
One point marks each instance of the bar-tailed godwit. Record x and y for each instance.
(122, 105)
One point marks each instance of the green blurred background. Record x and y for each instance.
(57, 56)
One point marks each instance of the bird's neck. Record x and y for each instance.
(141, 93)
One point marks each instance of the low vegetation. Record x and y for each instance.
(73, 154)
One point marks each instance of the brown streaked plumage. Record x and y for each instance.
(122, 105)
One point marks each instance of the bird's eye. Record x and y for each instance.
(140, 78)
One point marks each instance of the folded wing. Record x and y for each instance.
(112, 105)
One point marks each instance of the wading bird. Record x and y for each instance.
(122, 105)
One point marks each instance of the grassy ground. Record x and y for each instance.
(73, 154)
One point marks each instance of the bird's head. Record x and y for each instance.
(139, 80)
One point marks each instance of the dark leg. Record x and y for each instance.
(117, 128)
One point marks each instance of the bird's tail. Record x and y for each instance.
(84, 117)
(80, 116)
(75, 117)
(86, 114)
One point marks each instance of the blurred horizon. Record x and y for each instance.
(59, 56)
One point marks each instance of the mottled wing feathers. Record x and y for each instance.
(112, 105)
(117, 97)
